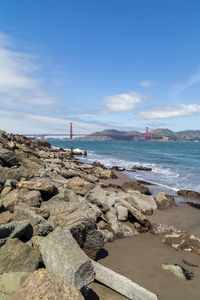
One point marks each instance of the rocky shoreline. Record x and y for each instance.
(57, 213)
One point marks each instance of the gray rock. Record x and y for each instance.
(144, 203)
(8, 157)
(97, 196)
(62, 255)
(16, 256)
(122, 213)
(163, 201)
(39, 224)
(120, 230)
(76, 216)
(15, 230)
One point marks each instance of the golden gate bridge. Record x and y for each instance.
(42, 136)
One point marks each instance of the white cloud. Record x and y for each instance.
(169, 112)
(148, 83)
(122, 102)
(18, 85)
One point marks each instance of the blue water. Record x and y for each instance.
(174, 164)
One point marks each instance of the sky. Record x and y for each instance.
(101, 64)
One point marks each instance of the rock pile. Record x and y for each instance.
(54, 208)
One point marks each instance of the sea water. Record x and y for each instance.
(174, 164)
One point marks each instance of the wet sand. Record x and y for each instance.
(140, 257)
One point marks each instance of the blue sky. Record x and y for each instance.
(123, 64)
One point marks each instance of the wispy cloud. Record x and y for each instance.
(170, 112)
(193, 79)
(18, 85)
(122, 102)
(148, 83)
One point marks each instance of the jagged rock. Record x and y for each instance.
(77, 217)
(132, 185)
(183, 241)
(144, 203)
(12, 174)
(79, 185)
(2, 179)
(39, 224)
(15, 230)
(104, 173)
(5, 217)
(8, 157)
(62, 255)
(94, 240)
(157, 228)
(163, 201)
(175, 269)
(25, 196)
(189, 194)
(11, 282)
(120, 230)
(45, 285)
(15, 256)
(122, 213)
(96, 196)
(43, 186)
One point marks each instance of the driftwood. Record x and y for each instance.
(121, 284)
(135, 213)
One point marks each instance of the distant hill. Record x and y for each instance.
(160, 134)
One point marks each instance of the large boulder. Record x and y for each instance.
(119, 230)
(144, 203)
(79, 185)
(11, 282)
(122, 213)
(133, 185)
(163, 201)
(76, 216)
(94, 240)
(45, 285)
(40, 225)
(42, 186)
(183, 241)
(189, 194)
(16, 256)
(8, 158)
(104, 173)
(16, 196)
(62, 255)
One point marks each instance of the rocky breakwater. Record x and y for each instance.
(56, 213)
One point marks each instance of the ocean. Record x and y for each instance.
(175, 165)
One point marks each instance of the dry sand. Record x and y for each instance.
(139, 258)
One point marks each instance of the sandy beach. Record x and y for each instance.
(140, 257)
